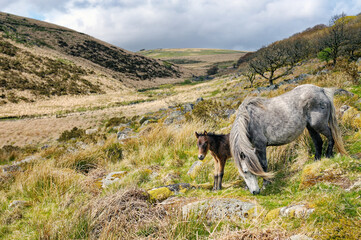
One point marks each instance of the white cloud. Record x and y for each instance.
(136, 24)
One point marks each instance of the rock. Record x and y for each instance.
(112, 178)
(272, 87)
(16, 166)
(229, 112)
(222, 209)
(18, 203)
(298, 211)
(188, 107)
(300, 237)
(193, 171)
(91, 131)
(320, 172)
(354, 186)
(343, 109)
(81, 145)
(161, 193)
(199, 100)
(175, 116)
(343, 92)
(352, 118)
(124, 133)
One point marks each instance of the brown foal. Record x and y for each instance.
(218, 145)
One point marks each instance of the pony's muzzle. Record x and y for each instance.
(201, 157)
(256, 192)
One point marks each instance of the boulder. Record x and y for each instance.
(352, 118)
(18, 203)
(121, 135)
(195, 168)
(175, 116)
(188, 107)
(199, 100)
(162, 193)
(16, 166)
(300, 237)
(297, 211)
(343, 92)
(222, 209)
(91, 131)
(112, 178)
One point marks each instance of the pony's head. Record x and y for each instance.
(249, 177)
(202, 144)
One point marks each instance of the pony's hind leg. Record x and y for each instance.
(317, 141)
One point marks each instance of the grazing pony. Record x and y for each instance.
(262, 122)
(218, 145)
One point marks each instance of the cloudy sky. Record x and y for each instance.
(150, 24)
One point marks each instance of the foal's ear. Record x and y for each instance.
(197, 135)
(205, 132)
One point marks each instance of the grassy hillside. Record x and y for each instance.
(40, 59)
(61, 194)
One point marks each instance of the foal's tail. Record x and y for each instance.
(333, 124)
(241, 148)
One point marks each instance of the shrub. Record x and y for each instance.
(325, 55)
(114, 152)
(213, 70)
(74, 133)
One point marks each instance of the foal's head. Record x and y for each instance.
(203, 144)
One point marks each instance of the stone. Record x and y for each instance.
(229, 113)
(18, 203)
(193, 171)
(199, 100)
(175, 116)
(343, 109)
(354, 186)
(222, 209)
(16, 166)
(160, 194)
(112, 178)
(124, 133)
(300, 237)
(81, 145)
(91, 131)
(343, 92)
(298, 211)
(188, 107)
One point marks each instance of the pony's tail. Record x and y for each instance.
(241, 148)
(332, 122)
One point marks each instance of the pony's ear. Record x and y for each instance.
(205, 132)
(197, 135)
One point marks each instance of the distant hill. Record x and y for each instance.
(198, 59)
(39, 58)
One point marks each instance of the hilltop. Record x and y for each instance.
(42, 59)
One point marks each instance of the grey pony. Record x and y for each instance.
(262, 122)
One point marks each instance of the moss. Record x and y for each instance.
(160, 194)
(274, 213)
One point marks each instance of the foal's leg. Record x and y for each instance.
(222, 163)
(317, 141)
(216, 167)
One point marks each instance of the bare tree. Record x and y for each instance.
(250, 75)
(336, 36)
(282, 55)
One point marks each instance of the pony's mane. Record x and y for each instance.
(211, 134)
(255, 101)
